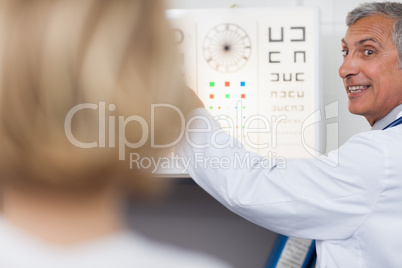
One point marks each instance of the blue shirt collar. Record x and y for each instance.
(386, 120)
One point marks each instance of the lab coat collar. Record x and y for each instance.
(386, 120)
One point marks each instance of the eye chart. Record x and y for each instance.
(256, 70)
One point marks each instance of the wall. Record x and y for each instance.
(190, 218)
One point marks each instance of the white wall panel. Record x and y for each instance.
(282, 3)
(326, 9)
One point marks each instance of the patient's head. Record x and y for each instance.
(77, 81)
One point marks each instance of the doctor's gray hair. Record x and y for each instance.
(388, 9)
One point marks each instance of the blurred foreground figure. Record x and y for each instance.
(77, 82)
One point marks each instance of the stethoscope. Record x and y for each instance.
(394, 123)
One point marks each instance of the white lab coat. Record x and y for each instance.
(353, 210)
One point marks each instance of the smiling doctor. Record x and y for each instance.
(353, 210)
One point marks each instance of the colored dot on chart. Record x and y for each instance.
(211, 96)
(227, 84)
(242, 84)
(227, 96)
(211, 84)
(211, 107)
(243, 96)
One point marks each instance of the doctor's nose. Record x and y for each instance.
(348, 68)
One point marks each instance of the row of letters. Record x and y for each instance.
(287, 77)
(287, 108)
(287, 94)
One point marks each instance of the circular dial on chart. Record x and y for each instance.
(227, 47)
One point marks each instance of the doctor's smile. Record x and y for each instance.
(356, 91)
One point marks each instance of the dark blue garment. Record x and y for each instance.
(394, 123)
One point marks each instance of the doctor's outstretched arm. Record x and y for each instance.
(303, 198)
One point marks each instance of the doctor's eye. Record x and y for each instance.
(368, 52)
(345, 52)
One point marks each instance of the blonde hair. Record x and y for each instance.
(57, 54)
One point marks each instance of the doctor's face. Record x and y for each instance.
(370, 72)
